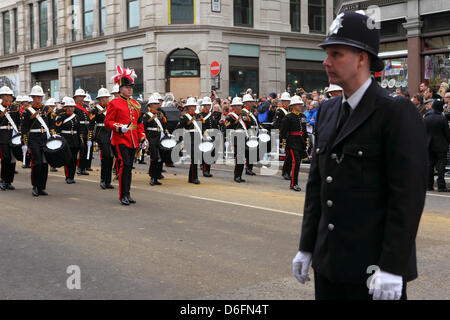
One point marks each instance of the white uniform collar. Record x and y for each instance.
(356, 97)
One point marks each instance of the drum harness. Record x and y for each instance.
(10, 120)
(69, 131)
(41, 121)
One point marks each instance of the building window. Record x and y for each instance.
(88, 18)
(16, 30)
(392, 29)
(55, 20)
(133, 13)
(138, 66)
(295, 15)
(75, 18)
(102, 16)
(90, 77)
(30, 7)
(6, 32)
(43, 23)
(183, 63)
(309, 75)
(394, 75)
(316, 15)
(243, 13)
(437, 68)
(181, 11)
(244, 74)
(435, 22)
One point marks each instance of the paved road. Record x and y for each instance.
(216, 240)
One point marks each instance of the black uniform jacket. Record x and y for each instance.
(279, 116)
(6, 134)
(85, 121)
(152, 129)
(293, 131)
(63, 126)
(30, 122)
(364, 209)
(438, 132)
(97, 116)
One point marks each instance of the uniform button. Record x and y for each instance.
(360, 153)
(329, 203)
(329, 179)
(331, 227)
(317, 150)
(333, 156)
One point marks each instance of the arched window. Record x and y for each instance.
(183, 63)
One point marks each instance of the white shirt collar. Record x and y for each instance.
(356, 97)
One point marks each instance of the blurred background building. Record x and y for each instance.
(66, 44)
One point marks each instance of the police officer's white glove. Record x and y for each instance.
(124, 129)
(300, 266)
(385, 286)
(89, 144)
(24, 149)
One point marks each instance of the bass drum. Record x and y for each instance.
(16, 146)
(166, 146)
(252, 142)
(206, 146)
(57, 152)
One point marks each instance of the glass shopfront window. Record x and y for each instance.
(244, 74)
(183, 63)
(90, 78)
(437, 68)
(394, 75)
(309, 75)
(437, 43)
(138, 66)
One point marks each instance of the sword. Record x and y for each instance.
(88, 152)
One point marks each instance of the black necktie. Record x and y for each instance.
(345, 114)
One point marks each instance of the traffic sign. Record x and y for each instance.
(215, 68)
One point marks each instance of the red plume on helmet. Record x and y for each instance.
(124, 77)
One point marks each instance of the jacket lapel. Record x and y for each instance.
(361, 113)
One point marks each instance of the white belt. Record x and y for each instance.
(41, 130)
(84, 122)
(8, 127)
(153, 129)
(193, 130)
(100, 124)
(69, 131)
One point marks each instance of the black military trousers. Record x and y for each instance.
(436, 160)
(83, 162)
(155, 167)
(126, 158)
(328, 290)
(71, 166)
(296, 160)
(39, 168)
(287, 165)
(8, 168)
(106, 161)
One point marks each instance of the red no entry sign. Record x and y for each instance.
(215, 68)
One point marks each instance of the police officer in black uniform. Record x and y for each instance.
(293, 138)
(68, 127)
(367, 181)
(86, 130)
(209, 122)
(9, 122)
(103, 137)
(35, 132)
(187, 123)
(155, 126)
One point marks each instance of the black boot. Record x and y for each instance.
(35, 191)
(155, 182)
(124, 201)
(130, 199)
(296, 188)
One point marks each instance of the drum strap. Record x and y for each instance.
(10, 120)
(41, 121)
(69, 118)
(158, 123)
(206, 118)
(197, 128)
(284, 111)
(234, 115)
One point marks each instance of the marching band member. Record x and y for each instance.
(234, 121)
(103, 138)
(279, 116)
(81, 111)
(35, 132)
(154, 124)
(188, 122)
(209, 122)
(67, 125)
(293, 138)
(125, 121)
(9, 120)
(50, 105)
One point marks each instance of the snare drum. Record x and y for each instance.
(264, 136)
(57, 152)
(16, 146)
(206, 146)
(252, 142)
(168, 143)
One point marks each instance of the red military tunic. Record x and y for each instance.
(122, 111)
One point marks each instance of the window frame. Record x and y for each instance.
(296, 3)
(251, 17)
(6, 35)
(43, 22)
(32, 17)
(183, 22)
(84, 13)
(100, 18)
(128, 15)
(55, 20)
(324, 17)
